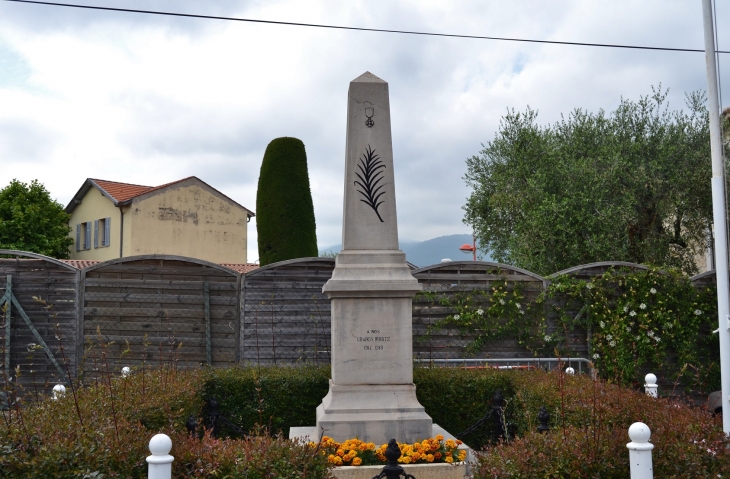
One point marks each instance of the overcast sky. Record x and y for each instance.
(146, 99)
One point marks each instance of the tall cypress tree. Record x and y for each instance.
(284, 210)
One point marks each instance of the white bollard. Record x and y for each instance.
(59, 391)
(640, 451)
(126, 371)
(160, 462)
(651, 388)
(569, 370)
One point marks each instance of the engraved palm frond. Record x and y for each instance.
(370, 176)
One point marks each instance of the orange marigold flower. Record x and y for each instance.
(439, 437)
(429, 458)
(340, 452)
(437, 455)
(449, 460)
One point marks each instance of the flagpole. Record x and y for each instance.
(718, 209)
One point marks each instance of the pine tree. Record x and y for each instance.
(284, 210)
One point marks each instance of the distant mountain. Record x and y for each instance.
(426, 253)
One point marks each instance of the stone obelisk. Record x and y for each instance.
(371, 395)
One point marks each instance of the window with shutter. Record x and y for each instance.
(78, 237)
(96, 233)
(107, 231)
(87, 239)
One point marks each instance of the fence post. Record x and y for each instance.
(160, 462)
(640, 451)
(651, 387)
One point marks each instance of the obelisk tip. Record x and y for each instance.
(368, 77)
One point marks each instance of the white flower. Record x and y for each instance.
(626, 308)
(602, 324)
(628, 329)
(522, 311)
(519, 306)
(642, 306)
(652, 291)
(501, 301)
(657, 339)
(609, 337)
(480, 311)
(698, 312)
(638, 338)
(650, 333)
(589, 286)
(668, 325)
(548, 338)
(632, 313)
(457, 317)
(612, 343)
(596, 356)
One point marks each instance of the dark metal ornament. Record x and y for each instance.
(393, 470)
(369, 122)
(544, 418)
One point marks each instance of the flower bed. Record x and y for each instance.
(354, 452)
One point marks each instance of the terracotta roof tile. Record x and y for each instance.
(238, 267)
(242, 268)
(122, 191)
(80, 263)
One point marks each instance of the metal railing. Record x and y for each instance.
(511, 363)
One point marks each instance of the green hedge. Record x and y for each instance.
(288, 396)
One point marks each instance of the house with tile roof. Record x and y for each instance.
(187, 217)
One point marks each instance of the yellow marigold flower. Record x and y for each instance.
(450, 443)
(429, 458)
(363, 446)
(462, 455)
(449, 460)
(439, 437)
(340, 452)
(357, 461)
(416, 456)
(371, 446)
(406, 460)
(331, 458)
(337, 460)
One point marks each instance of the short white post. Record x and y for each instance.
(160, 462)
(126, 371)
(640, 451)
(569, 371)
(59, 391)
(651, 387)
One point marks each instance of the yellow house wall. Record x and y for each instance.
(187, 220)
(95, 206)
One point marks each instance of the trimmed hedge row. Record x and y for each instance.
(284, 397)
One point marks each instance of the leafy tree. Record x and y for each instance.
(285, 214)
(632, 185)
(30, 220)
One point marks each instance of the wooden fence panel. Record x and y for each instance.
(47, 291)
(453, 281)
(159, 310)
(285, 316)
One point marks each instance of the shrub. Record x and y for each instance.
(285, 221)
(250, 396)
(103, 430)
(590, 421)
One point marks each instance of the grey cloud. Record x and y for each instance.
(25, 141)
